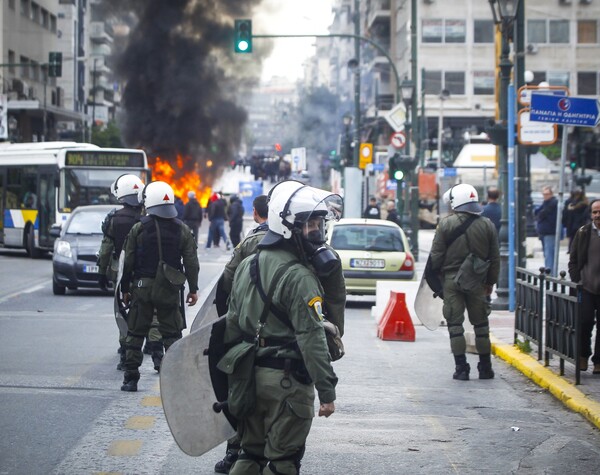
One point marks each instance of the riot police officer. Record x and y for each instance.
(115, 227)
(332, 282)
(160, 254)
(286, 332)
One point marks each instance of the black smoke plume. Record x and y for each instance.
(177, 66)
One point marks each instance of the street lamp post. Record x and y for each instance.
(445, 94)
(406, 193)
(504, 13)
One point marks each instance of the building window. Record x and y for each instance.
(35, 12)
(587, 31)
(45, 20)
(484, 82)
(559, 31)
(587, 83)
(433, 82)
(11, 61)
(455, 31)
(432, 31)
(483, 31)
(24, 66)
(25, 8)
(536, 31)
(454, 81)
(53, 23)
(11, 4)
(558, 78)
(444, 31)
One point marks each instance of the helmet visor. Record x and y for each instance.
(328, 206)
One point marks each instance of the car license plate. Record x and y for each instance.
(368, 263)
(91, 269)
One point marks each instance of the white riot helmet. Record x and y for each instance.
(294, 204)
(463, 198)
(126, 189)
(159, 199)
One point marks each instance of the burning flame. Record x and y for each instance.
(181, 179)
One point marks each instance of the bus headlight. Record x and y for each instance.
(63, 248)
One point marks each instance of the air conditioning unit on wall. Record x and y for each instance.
(532, 48)
(585, 2)
(565, 2)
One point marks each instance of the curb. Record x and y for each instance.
(564, 391)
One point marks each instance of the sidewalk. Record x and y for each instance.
(584, 398)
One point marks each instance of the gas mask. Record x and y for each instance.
(321, 257)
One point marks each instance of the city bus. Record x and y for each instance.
(41, 183)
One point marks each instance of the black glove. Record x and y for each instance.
(103, 282)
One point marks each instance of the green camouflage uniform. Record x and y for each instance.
(108, 264)
(483, 241)
(170, 320)
(277, 429)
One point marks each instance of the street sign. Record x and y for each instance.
(398, 140)
(524, 94)
(366, 155)
(391, 185)
(535, 133)
(378, 167)
(577, 111)
(298, 159)
(447, 171)
(396, 117)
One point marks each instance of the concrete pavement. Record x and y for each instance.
(583, 398)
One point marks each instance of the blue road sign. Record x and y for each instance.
(378, 167)
(578, 111)
(449, 171)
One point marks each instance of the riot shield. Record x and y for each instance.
(207, 311)
(119, 307)
(428, 307)
(187, 393)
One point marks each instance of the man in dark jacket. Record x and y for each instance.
(545, 216)
(393, 213)
(575, 214)
(584, 268)
(492, 210)
(217, 213)
(235, 214)
(192, 214)
(372, 210)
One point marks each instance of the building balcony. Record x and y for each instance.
(380, 14)
(101, 32)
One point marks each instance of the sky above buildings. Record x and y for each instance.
(291, 17)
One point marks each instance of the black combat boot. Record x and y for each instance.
(157, 357)
(223, 466)
(485, 367)
(130, 381)
(462, 369)
(121, 363)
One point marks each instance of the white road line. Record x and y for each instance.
(28, 291)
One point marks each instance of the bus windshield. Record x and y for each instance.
(86, 186)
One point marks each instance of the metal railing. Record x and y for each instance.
(548, 313)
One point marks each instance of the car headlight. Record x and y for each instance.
(63, 248)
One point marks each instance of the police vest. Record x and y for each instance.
(122, 222)
(146, 259)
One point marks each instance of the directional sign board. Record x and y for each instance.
(535, 133)
(398, 140)
(525, 92)
(396, 117)
(578, 111)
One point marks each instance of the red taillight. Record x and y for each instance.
(409, 262)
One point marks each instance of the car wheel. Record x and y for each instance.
(58, 289)
(33, 252)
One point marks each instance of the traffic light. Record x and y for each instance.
(336, 161)
(54, 64)
(573, 164)
(394, 168)
(243, 36)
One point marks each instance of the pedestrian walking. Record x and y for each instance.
(332, 281)
(465, 252)
(217, 213)
(179, 206)
(545, 217)
(492, 209)
(276, 317)
(192, 214)
(116, 227)
(235, 216)
(584, 268)
(160, 255)
(575, 214)
(392, 213)
(372, 210)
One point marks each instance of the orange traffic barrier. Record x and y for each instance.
(396, 323)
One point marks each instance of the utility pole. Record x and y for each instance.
(356, 19)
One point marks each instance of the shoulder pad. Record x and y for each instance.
(107, 220)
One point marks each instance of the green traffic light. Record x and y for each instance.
(398, 175)
(243, 36)
(573, 165)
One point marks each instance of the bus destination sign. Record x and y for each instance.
(93, 158)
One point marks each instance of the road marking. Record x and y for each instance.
(140, 422)
(124, 448)
(152, 401)
(21, 292)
